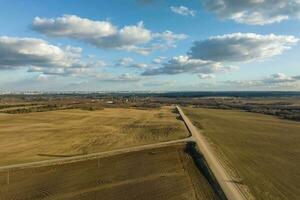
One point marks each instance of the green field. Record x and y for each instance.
(262, 150)
(47, 135)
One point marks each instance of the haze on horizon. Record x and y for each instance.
(144, 45)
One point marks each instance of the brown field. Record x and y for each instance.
(45, 135)
(263, 151)
(161, 173)
(19, 107)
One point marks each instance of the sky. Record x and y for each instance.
(149, 45)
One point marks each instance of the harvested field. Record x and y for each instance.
(12, 108)
(161, 173)
(47, 135)
(261, 151)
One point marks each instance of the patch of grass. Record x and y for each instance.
(66, 132)
(263, 150)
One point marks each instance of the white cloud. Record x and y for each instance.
(182, 10)
(158, 60)
(139, 65)
(184, 64)
(206, 76)
(126, 77)
(39, 56)
(23, 52)
(135, 34)
(99, 63)
(42, 77)
(211, 56)
(129, 62)
(241, 47)
(125, 37)
(124, 61)
(60, 71)
(255, 12)
(277, 80)
(103, 34)
(169, 37)
(74, 27)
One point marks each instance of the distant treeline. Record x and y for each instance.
(245, 94)
(52, 107)
(228, 94)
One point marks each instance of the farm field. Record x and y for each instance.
(160, 173)
(45, 135)
(260, 150)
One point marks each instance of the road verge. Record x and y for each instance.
(227, 183)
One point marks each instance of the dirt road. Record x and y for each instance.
(226, 182)
(93, 155)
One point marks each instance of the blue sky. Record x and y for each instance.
(149, 45)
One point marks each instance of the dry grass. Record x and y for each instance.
(263, 150)
(27, 137)
(162, 173)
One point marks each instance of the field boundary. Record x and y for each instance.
(93, 155)
(226, 182)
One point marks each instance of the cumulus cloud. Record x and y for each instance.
(214, 55)
(255, 12)
(42, 77)
(139, 65)
(279, 78)
(169, 37)
(241, 47)
(184, 64)
(159, 60)
(73, 27)
(124, 61)
(127, 36)
(272, 81)
(23, 52)
(39, 56)
(182, 10)
(126, 77)
(129, 62)
(103, 34)
(59, 71)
